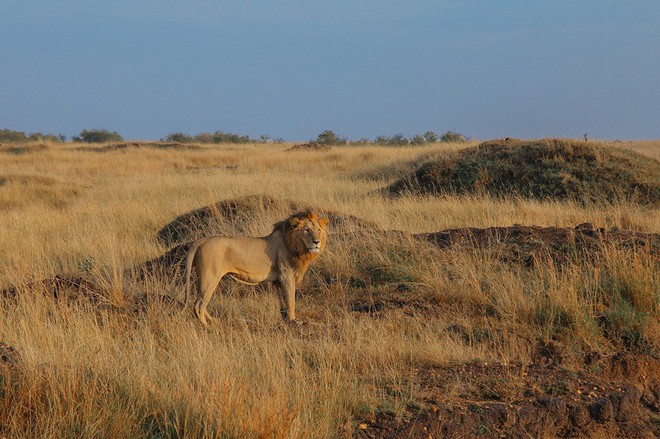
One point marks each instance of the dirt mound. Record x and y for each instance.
(528, 401)
(208, 220)
(528, 244)
(234, 215)
(311, 146)
(541, 169)
(134, 145)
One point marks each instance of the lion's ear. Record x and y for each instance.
(294, 222)
(323, 222)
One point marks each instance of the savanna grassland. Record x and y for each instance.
(401, 337)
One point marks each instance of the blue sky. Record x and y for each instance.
(293, 68)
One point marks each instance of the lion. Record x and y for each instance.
(281, 257)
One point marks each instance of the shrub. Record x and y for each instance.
(98, 136)
(398, 140)
(40, 137)
(430, 137)
(217, 137)
(12, 136)
(203, 138)
(220, 137)
(178, 137)
(453, 137)
(361, 141)
(328, 137)
(417, 140)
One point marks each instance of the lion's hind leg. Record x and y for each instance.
(206, 289)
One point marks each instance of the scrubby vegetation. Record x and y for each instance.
(414, 325)
(11, 136)
(328, 137)
(542, 169)
(216, 137)
(98, 136)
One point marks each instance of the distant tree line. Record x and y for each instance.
(217, 137)
(327, 137)
(87, 136)
(11, 136)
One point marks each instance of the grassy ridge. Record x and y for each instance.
(379, 307)
(542, 169)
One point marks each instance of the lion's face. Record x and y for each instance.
(311, 231)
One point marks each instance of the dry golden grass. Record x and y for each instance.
(110, 370)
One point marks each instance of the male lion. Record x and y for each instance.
(281, 257)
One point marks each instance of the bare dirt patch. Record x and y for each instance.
(617, 398)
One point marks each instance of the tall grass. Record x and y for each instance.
(116, 368)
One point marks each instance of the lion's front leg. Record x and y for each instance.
(287, 290)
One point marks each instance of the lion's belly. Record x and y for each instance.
(250, 262)
(252, 278)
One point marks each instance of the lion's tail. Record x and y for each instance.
(189, 262)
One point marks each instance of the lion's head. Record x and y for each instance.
(305, 234)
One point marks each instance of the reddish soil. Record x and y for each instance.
(609, 398)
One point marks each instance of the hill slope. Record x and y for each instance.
(540, 169)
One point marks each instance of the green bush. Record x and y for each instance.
(98, 136)
(178, 137)
(40, 137)
(217, 137)
(220, 137)
(430, 137)
(396, 140)
(12, 136)
(328, 137)
(417, 140)
(453, 137)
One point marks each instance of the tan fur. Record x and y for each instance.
(281, 257)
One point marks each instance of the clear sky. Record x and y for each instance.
(362, 68)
